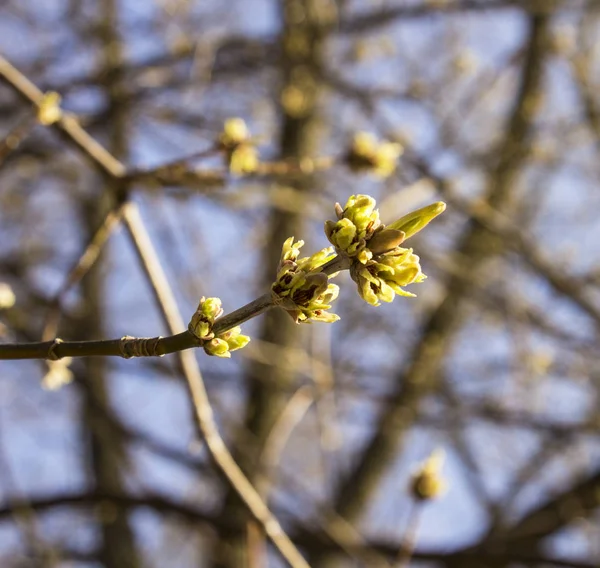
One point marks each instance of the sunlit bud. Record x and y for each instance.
(357, 222)
(383, 278)
(427, 483)
(202, 321)
(234, 338)
(202, 329)
(417, 220)
(316, 308)
(368, 153)
(300, 288)
(386, 158)
(235, 132)
(364, 143)
(290, 249)
(210, 308)
(49, 110)
(367, 284)
(360, 209)
(342, 233)
(243, 159)
(7, 296)
(217, 347)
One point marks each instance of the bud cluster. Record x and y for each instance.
(201, 326)
(301, 288)
(240, 151)
(379, 265)
(367, 153)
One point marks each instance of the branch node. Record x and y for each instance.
(52, 355)
(139, 346)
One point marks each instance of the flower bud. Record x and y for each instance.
(342, 233)
(208, 310)
(217, 347)
(243, 159)
(428, 483)
(417, 220)
(49, 110)
(235, 132)
(367, 153)
(383, 278)
(300, 287)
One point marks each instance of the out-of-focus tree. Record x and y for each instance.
(457, 429)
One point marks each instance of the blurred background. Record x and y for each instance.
(496, 106)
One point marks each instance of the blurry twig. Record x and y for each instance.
(14, 138)
(409, 540)
(325, 403)
(24, 516)
(80, 268)
(291, 415)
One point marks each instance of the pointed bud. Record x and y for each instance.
(417, 220)
(385, 240)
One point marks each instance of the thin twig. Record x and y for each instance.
(291, 415)
(409, 540)
(127, 346)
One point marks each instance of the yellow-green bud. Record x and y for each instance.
(201, 329)
(383, 278)
(217, 347)
(417, 220)
(235, 132)
(234, 338)
(360, 209)
(428, 483)
(210, 308)
(291, 249)
(379, 157)
(49, 110)
(301, 289)
(243, 159)
(342, 233)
